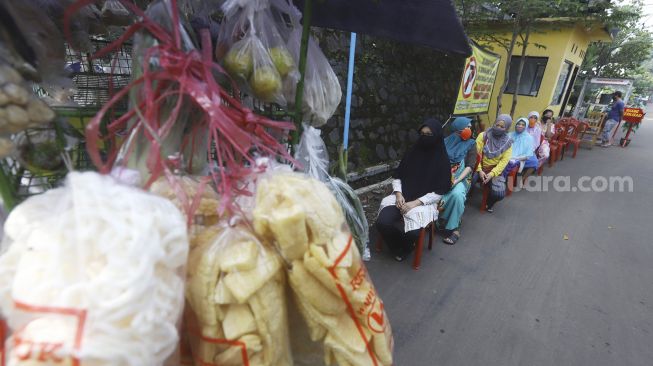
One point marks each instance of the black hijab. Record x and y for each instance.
(425, 168)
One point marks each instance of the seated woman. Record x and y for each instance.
(495, 148)
(462, 157)
(421, 179)
(523, 152)
(548, 124)
(542, 149)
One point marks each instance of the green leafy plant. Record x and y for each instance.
(627, 125)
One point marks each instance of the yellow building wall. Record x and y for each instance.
(561, 42)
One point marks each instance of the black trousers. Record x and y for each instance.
(390, 225)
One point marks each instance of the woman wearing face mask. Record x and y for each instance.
(541, 145)
(423, 176)
(548, 125)
(461, 150)
(495, 146)
(523, 151)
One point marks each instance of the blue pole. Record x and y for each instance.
(350, 81)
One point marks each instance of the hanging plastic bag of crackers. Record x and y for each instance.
(236, 294)
(330, 283)
(93, 275)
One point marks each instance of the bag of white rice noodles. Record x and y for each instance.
(93, 275)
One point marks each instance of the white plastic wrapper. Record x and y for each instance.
(93, 275)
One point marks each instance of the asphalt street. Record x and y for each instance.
(549, 278)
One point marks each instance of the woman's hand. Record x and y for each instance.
(482, 175)
(409, 206)
(401, 201)
(488, 177)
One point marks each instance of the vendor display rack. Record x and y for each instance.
(95, 82)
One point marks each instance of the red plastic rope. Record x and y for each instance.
(183, 79)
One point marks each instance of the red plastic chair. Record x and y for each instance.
(419, 248)
(484, 187)
(560, 139)
(512, 178)
(540, 161)
(540, 166)
(570, 133)
(554, 148)
(574, 139)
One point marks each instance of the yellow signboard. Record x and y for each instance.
(477, 82)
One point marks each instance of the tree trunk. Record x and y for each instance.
(522, 61)
(506, 73)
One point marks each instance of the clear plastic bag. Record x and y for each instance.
(264, 81)
(313, 156)
(94, 275)
(20, 108)
(330, 284)
(322, 91)
(236, 294)
(259, 59)
(194, 197)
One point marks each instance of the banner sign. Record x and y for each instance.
(633, 115)
(477, 82)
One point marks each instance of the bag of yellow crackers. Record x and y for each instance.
(236, 313)
(333, 292)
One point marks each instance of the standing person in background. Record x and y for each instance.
(495, 147)
(423, 176)
(461, 149)
(613, 119)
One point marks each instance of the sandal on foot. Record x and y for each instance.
(452, 239)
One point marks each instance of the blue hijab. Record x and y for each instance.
(456, 147)
(522, 144)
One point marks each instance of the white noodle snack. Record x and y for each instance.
(93, 275)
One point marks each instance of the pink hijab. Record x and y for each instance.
(535, 132)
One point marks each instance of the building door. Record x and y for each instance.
(570, 87)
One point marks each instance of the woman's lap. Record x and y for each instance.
(532, 162)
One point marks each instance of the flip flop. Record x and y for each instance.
(452, 239)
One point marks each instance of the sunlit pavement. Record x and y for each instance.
(513, 291)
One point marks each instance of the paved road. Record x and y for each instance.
(513, 291)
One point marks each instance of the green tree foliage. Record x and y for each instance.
(628, 55)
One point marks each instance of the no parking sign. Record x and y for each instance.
(477, 82)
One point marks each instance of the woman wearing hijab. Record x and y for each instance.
(495, 147)
(523, 151)
(548, 125)
(541, 145)
(423, 176)
(461, 150)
